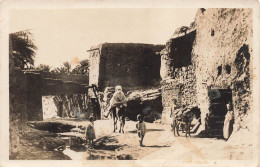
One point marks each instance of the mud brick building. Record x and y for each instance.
(210, 61)
(134, 66)
(177, 72)
(130, 65)
(221, 56)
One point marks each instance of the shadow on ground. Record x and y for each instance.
(147, 130)
(156, 146)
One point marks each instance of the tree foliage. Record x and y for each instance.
(22, 49)
(82, 68)
(64, 69)
(67, 66)
(44, 67)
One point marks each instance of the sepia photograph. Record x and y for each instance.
(102, 84)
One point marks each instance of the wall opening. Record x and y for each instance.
(228, 69)
(181, 49)
(79, 106)
(203, 10)
(219, 70)
(217, 111)
(212, 32)
(49, 108)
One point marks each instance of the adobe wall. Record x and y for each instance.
(32, 86)
(94, 64)
(17, 109)
(221, 56)
(180, 90)
(178, 76)
(58, 87)
(34, 96)
(77, 78)
(128, 64)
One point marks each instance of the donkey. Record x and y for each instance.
(184, 121)
(194, 112)
(119, 113)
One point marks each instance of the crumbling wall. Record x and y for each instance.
(221, 56)
(127, 64)
(177, 52)
(178, 92)
(177, 72)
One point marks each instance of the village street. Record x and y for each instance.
(160, 144)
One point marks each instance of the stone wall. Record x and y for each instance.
(177, 52)
(221, 56)
(179, 91)
(131, 65)
(177, 73)
(216, 50)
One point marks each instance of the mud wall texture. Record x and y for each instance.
(94, 65)
(34, 96)
(33, 87)
(129, 65)
(221, 55)
(177, 52)
(178, 77)
(18, 109)
(178, 92)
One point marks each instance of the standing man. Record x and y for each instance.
(172, 107)
(229, 121)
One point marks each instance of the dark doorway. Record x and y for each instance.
(217, 111)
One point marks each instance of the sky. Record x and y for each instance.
(65, 34)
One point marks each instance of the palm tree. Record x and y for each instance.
(22, 49)
(67, 66)
(59, 70)
(44, 67)
(82, 68)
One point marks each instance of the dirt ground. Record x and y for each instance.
(40, 145)
(159, 141)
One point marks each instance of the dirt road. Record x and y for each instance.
(159, 141)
